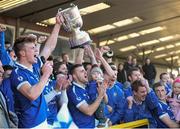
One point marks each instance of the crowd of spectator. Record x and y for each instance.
(34, 86)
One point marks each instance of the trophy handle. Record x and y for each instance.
(60, 11)
(72, 5)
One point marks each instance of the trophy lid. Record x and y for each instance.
(73, 8)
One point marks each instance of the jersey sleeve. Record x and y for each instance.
(18, 79)
(127, 92)
(160, 111)
(4, 55)
(152, 100)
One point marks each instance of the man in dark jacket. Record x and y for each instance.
(149, 71)
(122, 74)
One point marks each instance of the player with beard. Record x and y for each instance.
(79, 101)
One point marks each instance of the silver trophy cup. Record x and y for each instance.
(72, 23)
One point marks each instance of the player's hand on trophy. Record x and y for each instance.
(59, 18)
(2, 28)
(88, 51)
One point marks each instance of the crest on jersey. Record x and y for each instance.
(78, 98)
(115, 94)
(20, 78)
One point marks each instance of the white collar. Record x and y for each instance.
(78, 85)
(31, 70)
(163, 102)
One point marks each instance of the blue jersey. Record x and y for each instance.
(127, 91)
(151, 98)
(77, 95)
(30, 113)
(166, 109)
(149, 109)
(116, 100)
(52, 105)
(138, 112)
(119, 84)
(92, 90)
(4, 55)
(7, 91)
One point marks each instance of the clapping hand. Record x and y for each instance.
(62, 82)
(47, 68)
(101, 90)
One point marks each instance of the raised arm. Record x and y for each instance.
(79, 56)
(52, 39)
(40, 40)
(2, 38)
(107, 67)
(90, 54)
(4, 55)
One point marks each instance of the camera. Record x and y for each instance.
(109, 54)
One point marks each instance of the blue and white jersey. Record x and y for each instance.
(116, 100)
(77, 95)
(165, 110)
(52, 105)
(30, 113)
(4, 55)
(168, 88)
(7, 91)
